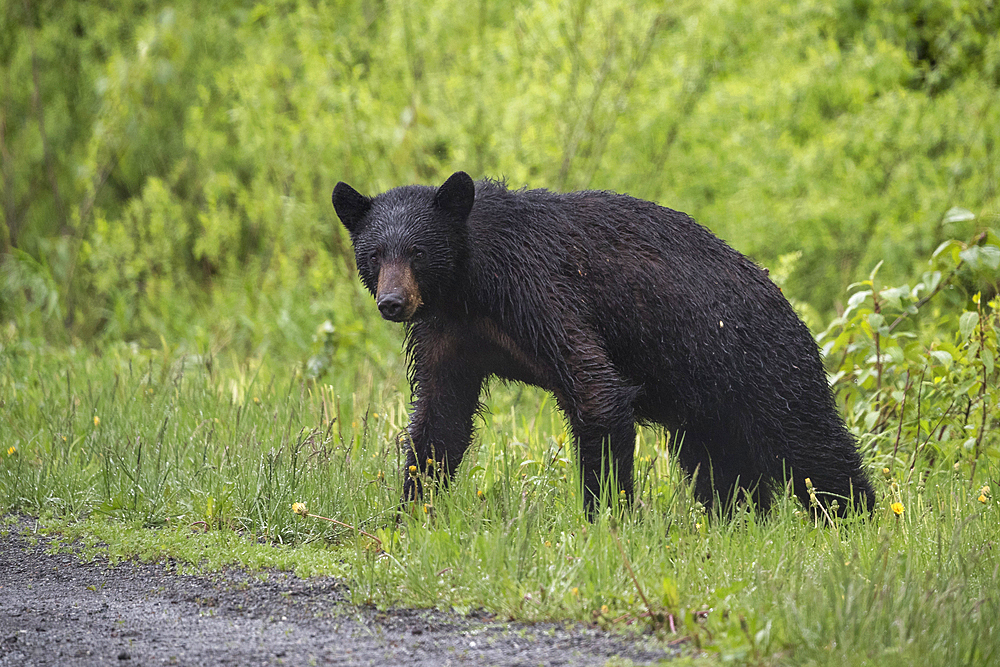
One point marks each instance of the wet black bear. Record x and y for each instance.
(625, 310)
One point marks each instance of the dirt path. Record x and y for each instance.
(57, 610)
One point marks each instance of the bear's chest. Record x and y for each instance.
(500, 354)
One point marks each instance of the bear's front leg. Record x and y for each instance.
(447, 398)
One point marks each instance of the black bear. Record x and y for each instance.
(625, 310)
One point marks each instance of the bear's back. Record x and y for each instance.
(650, 280)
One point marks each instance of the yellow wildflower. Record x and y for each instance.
(813, 502)
(575, 591)
(300, 509)
(982, 498)
(97, 420)
(413, 470)
(11, 450)
(898, 508)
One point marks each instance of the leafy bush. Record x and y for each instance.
(910, 390)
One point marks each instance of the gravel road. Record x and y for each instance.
(57, 610)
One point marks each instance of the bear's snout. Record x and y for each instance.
(398, 296)
(391, 306)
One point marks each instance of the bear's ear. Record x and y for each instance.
(350, 205)
(457, 195)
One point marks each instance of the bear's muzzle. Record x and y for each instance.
(398, 296)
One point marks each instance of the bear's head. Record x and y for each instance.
(408, 242)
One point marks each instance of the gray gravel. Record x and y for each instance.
(57, 610)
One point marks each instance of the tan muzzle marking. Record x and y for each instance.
(398, 296)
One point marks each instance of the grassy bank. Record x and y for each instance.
(154, 454)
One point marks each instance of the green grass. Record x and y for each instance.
(149, 454)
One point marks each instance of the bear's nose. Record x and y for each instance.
(391, 306)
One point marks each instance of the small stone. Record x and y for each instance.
(124, 656)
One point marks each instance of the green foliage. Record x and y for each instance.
(167, 166)
(903, 381)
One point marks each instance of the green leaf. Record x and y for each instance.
(893, 296)
(942, 357)
(876, 320)
(978, 257)
(967, 323)
(857, 298)
(990, 256)
(988, 360)
(941, 248)
(895, 354)
(958, 214)
(871, 276)
(966, 387)
(931, 280)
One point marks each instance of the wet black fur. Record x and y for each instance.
(628, 312)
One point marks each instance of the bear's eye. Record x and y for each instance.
(417, 253)
(373, 258)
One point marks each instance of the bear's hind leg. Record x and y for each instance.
(724, 474)
(833, 468)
